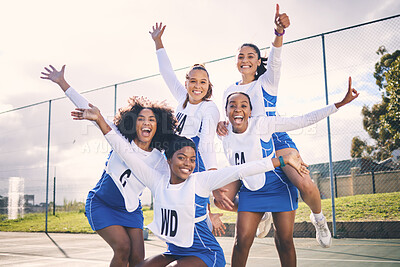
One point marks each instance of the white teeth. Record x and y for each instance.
(185, 170)
(146, 129)
(238, 117)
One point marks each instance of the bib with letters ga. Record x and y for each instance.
(174, 212)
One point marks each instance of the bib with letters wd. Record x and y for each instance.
(174, 212)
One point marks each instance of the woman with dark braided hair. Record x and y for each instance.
(113, 206)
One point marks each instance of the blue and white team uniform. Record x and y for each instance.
(197, 122)
(271, 191)
(263, 94)
(180, 210)
(114, 201)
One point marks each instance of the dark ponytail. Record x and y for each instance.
(260, 69)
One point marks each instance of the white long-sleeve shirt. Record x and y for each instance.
(174, 205)
(199, 121)
(249, 146)
(129, 187)
(263, 91)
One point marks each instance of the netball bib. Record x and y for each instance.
(174, 212)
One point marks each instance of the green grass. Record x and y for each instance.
(377, 207)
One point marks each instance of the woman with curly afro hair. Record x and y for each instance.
(113, 206)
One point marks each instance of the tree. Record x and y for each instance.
(382, 120)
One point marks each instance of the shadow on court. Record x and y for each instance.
(40, 249)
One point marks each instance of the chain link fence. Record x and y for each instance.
(49, 161)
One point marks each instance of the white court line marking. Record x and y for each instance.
(53, 258)
(345, 260)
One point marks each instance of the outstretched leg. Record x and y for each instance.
(311, 196)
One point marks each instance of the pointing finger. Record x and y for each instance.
(349, 82)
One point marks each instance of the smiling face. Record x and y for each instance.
(182, 164)
(146, 126)
(238, 111)
(197, 84)
(247, 61)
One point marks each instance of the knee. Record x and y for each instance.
(122, 250)
(284, 243)
(308, 187)
(243, 242)
(136, 257)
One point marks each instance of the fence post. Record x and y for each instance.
(335, 185)
(48, 160)
(373, 181)
(329, 139)
(54, 192)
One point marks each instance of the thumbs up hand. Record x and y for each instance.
(281, 20)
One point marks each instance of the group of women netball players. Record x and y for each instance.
(172, 153)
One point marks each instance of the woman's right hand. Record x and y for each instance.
(222, 128)
(293, 159)
(156, 34)
(222, 200)
(90, 114)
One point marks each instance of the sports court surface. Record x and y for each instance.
(39, 249)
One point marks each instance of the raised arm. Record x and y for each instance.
(147, 175)
(270, 79)
(282, 124)
(57, 77)
(76, 98)
(164, 64)
(281, 23)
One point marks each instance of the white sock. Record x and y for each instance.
(319, 216)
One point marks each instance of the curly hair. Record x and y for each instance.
(125, 120)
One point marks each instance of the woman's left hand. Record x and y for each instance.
(218, 226)
(282, 21)
(350, 96)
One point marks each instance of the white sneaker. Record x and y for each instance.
(322, 234)
(265, 225)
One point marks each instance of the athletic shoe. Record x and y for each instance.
(265, 225)
(322, 234)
